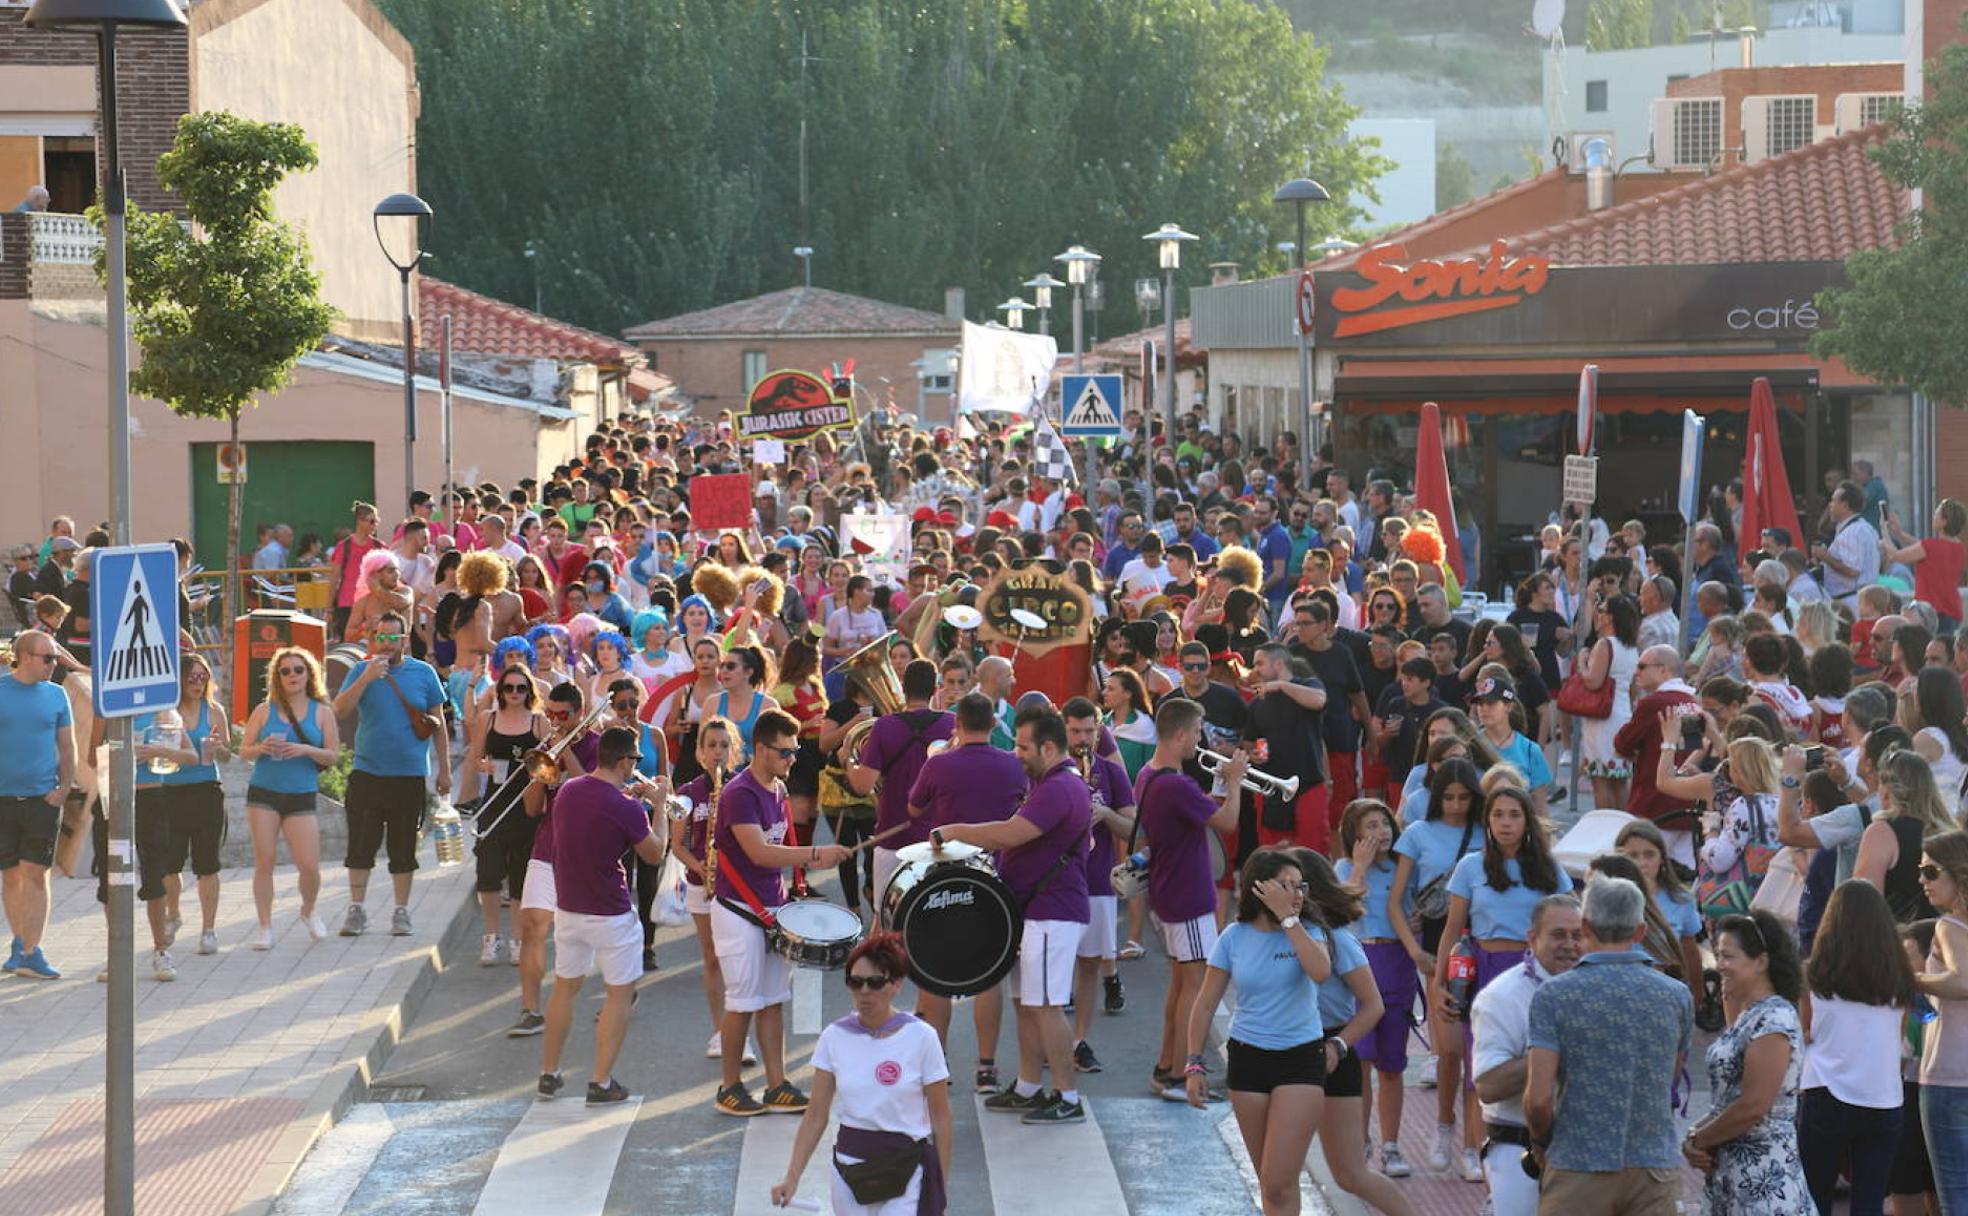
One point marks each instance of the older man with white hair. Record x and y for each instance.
(36, 200)
(996, 680)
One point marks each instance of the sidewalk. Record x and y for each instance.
(241, 1063)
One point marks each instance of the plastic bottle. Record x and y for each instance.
(448, 833)
(1462, 978)
(166, 731)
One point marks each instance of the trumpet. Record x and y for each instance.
(1256, 781)
(540, 764)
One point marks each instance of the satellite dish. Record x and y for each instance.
(1546, 17)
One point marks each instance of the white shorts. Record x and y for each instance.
(1097, 941)
(1512, 1191)
(886, 864)
(538, 893)
(1044, 975)
(1190, 941)
(696, 900)
(581, 940)
(754, 977)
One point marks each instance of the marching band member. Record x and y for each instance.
(1112, 797)
(717, 742)
(893, 756)
(747, 843)
(537, 902)
(1042, 859)
(971, 782)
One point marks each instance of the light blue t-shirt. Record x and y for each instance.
(1277, 1003)
(384, 744)
(1681, 914)
(1527, 758)
(1414, 796)
(30, 717)
(1494, 913)
(1337, 1004)
(1374, 922)
(1432, 844)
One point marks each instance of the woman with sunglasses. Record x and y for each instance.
(496, 748)
(742, 674)
(195, 802)
(290, 737)
(1944, 1050)
(886, 1073)
(1385, 606)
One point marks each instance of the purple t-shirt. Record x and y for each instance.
(597, 823)
(1111, 788)
(975, 783)
(698, 790)
(1060, 807)
(896, 748)
(588, 752)
(744, 800)
(1175, 816)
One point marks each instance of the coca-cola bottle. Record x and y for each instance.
(1462, 978)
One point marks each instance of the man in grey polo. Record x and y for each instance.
(1607, 1038)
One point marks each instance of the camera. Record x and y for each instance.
(1691, 730)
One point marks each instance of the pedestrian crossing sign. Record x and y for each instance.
(1091, 406)
(133, 618)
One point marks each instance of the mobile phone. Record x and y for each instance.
(1691, 730)
(1814, 757)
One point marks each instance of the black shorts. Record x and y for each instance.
(1259, 1070)
(153, 832)
(500, 856)
(198, 827)
(280, 802)
(1431, 933)
(804, 780)
(1346, 1079)
(28, 827)
(99, 854)
(384, 811)
(1912, 1172)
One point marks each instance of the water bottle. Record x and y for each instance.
(448, 833)
(1139, 859)
(166, 731)
(1462, 978)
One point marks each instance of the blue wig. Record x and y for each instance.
(613, 639)
(508, 647)
(646, 620)
(559, 636)
(700, 602)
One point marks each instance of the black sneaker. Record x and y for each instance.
(551, 1083)
(1008, 1102)
(604, 1095)
(1116, 994)
(1057, 1110)
(1083, 1057)
(737, 1100)
(987, 1078)
(649, 960)
(529, 1023)
(784, 1098)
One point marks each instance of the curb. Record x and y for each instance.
(349, 1082)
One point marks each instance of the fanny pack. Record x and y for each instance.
(884, 1176)
(1432, 901)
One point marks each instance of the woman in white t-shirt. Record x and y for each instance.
(886, 1072)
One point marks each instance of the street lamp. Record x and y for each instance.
(120, 1039)
(1169, 239)
(1042, 285)
(805, 254)
(1080, 263)
(1299, 191)
(1014, 310)
(410, 219)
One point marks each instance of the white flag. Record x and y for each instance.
(1003, 369)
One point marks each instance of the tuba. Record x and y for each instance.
(869, 670)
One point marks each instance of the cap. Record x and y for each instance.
(62, 544)
(1492, 689)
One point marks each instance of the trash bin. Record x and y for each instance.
(255, 638)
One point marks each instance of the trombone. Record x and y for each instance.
(540, 764)
(1256, 781)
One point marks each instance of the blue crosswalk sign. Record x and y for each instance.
(1090, 406)
(133, 624)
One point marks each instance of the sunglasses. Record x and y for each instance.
(1929, 872)
(522, 689)
(785, 753)
(1195, 667)
(559, 715)
(388, 639)
(293, 671)
(624, 706)
(868, 983)
(727, 667)
(633, 757)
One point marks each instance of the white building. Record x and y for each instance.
(1407, 191)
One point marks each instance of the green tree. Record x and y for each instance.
(1680, 29)
(1901, 320)
(962, 143)
(1617, 25)
(1455, 178)
(222, 308)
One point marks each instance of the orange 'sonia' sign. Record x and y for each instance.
(1434, 290)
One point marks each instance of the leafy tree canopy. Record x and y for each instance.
(649, 150)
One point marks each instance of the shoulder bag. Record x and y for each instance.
(423, 723)
(1432, 901)
(1732, 892)
(1576, 698)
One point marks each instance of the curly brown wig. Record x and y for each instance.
(1241, 566)
(716, 584)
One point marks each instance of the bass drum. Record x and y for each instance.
(335, 667)
(957, 919)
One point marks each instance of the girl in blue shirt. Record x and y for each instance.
(1366, 837)
(1643, 843)
(290, 737)
(1495, 701)
(197, 804)
(1492, 895)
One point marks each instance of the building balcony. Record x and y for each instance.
(48, 255)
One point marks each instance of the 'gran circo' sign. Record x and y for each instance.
(793, 405)
(1047, 593)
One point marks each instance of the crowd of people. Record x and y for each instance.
(1300, 763)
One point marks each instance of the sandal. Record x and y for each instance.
(1132, 950)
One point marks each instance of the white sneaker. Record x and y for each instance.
(171, 927)
(162, 967)
(488, 949)
(1445, 1152)
(1472, 1166)
(751, 1055)
(208, 942)
(262, 938)
(714, 1047)
(1392, 1163)
(512, 951)
(317, 929)
(1427, 1078)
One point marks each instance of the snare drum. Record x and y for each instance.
(957, 918)
(813, 933)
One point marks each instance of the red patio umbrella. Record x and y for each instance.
(1767, 502)
(1432, 484)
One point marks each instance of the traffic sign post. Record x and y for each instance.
(133, 610)
(1694, 434)
(1581, 480)
(1090, 407)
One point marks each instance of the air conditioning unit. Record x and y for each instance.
(1857, 110)
(1687, 132)
(1775, 125)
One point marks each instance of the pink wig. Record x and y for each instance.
(374, 561)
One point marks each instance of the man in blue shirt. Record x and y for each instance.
(1127, 550)
(1180, 529)
(37, 767)
(1605, 1040)
(1274, 546)
(386, 783)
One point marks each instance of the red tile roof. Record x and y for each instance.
(799, 312)
(1819, 203)
(482, 325)
(1126, 348)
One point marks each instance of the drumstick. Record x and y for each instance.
(878, 837)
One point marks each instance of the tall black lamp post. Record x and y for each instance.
(410, 219)
(1300, 191)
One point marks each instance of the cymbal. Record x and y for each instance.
(963, 616)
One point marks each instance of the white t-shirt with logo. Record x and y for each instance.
(879, 1082)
